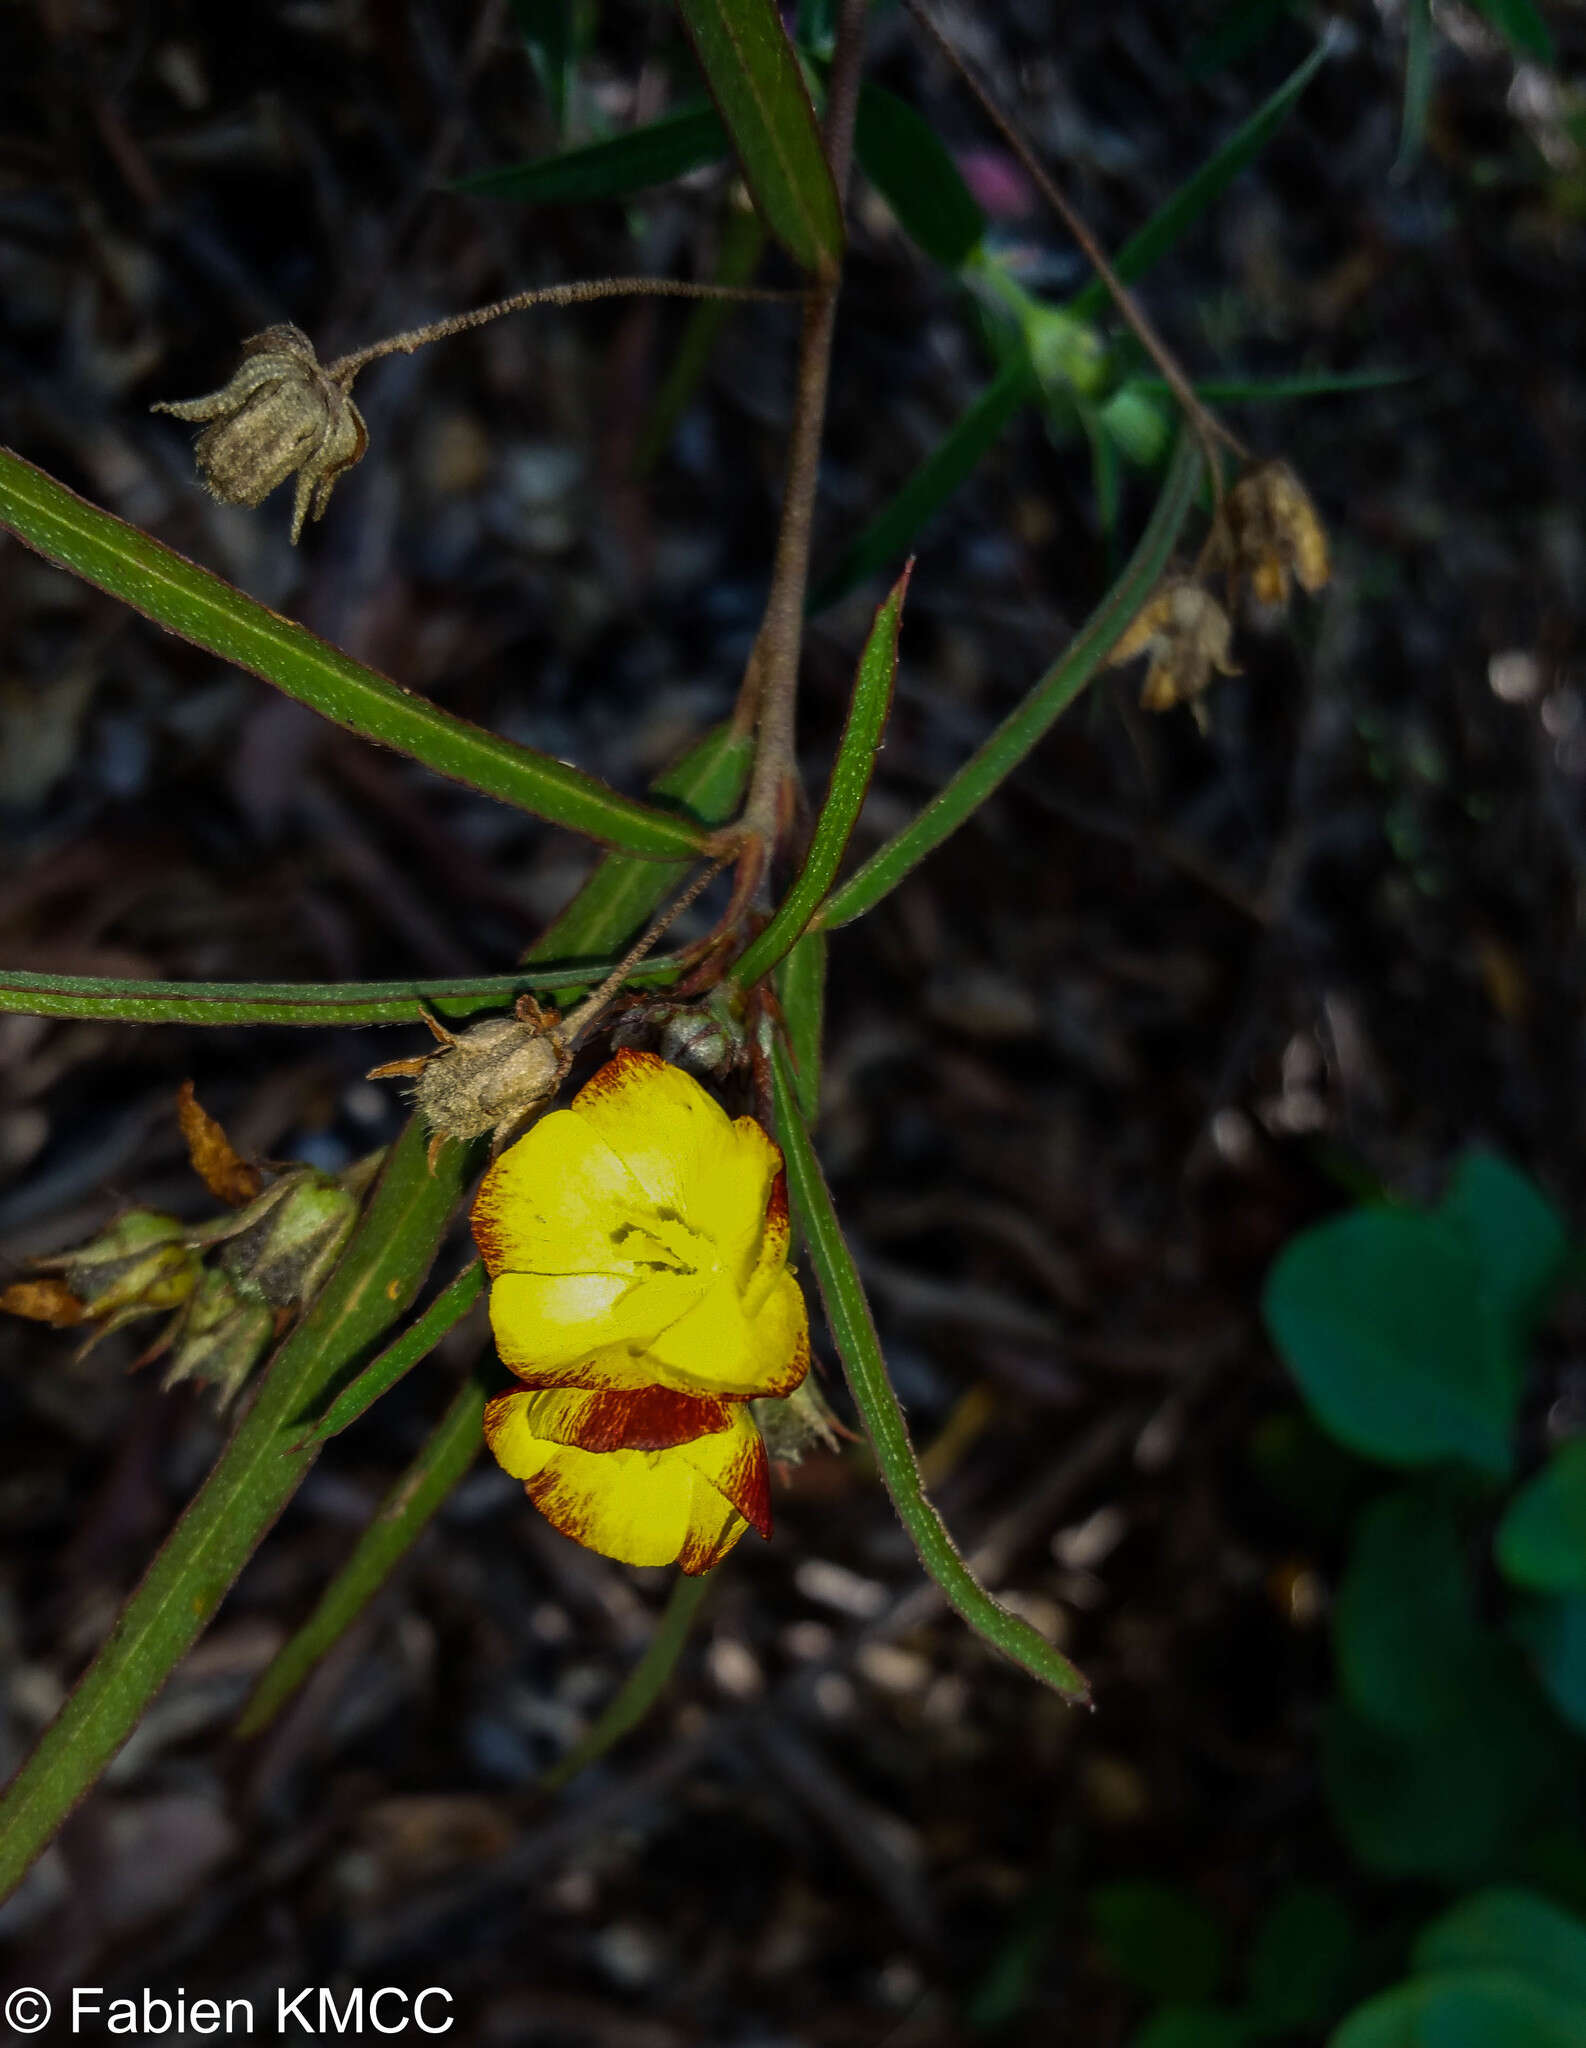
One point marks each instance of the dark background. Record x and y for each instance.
(1161, 1004)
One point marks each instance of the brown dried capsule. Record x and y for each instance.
(1267, 530)
(282, 413)
(1186, 632)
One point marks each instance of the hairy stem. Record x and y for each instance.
(345, 368)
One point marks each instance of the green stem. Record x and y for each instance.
(1051, 696)
(201, 607)
(255, 1476)
(854, 1333)
(643, 1685)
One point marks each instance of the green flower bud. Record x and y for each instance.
(220, 1337)
(139, 1266)
(1071, 358)
(289, 1238)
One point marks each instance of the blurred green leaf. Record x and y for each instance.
(1192, 2026)
(1159, 1940)
(906, 160)
(1471, 2009)
(1541, 1541)
(1381, 1317)
(1405, 1627)
(759, 90)
(1177, 215)
(1507, 1928)
(1518, 1238)
(892, 532)
(1521, 25)
(845, 794)
(547, 27)
(202, 608)
(1554, 1634)
(1274, 390)
(1455, 1801)
(1302, 1962)
(655, 154)
(1418, 65)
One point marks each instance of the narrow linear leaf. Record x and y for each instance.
(403, 1516)
(547, 28)
(1202, 188)
(1270, 390)
(1419, 54)
(256, 1474)
(801, 991)
(201, 607)
(399, 1358)
(643, 1685)
(908, 163)
(854, 1333)
(892, 532)
(756, 83)
(845, 794)
(117, 1001)
(655, 154)
(1051, 696)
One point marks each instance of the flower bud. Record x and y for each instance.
(704, 1039)
(220, 1337)
(282, 413)
(288, 1239)
(140, 1265)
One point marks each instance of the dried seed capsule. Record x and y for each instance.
(1186, 632)
(281, 414)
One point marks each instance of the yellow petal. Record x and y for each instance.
(639, 1507)
(643, 1419)
(554, 1201)
(717, 1348)
(547, 1324)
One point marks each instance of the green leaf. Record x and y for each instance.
(1541, 1541)
(1274, 390)
(643, 1685)
(402, 1517)
(992, 763)
(1381, 1318)
(1405, 1626)
(854, 1333)
(415, 1344)
(1517, 1238)
(1302, 1962)
(1200, 191)
(281, 1002)
(256, 1474)
(1554, 1633)
(756, 83)
(801, 991)
(1473, 2009)
(1507, 1928)
(200, 607)
(891, 533)
(1159, 1940)
(905, 159)
(1521, 26)
(845, 794)
(655, 154)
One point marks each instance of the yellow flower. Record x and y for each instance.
(637, 1243)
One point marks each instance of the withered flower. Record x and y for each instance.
(1268, 529)
(1186, 632)
(282, 414)
(219, 1337)
(139, 1265)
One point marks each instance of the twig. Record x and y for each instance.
(1208, 429)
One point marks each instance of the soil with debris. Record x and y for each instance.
(1162, 1003)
